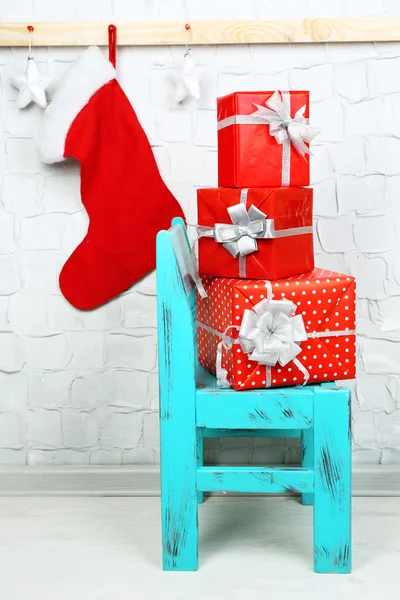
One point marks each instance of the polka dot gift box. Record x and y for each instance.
(260, 233)
(257, 333)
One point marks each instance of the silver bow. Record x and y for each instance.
(240, 238)
(269, 331)
(283, 126)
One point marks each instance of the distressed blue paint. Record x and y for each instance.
(177, 410)
(255, 479)
(307, 451)
(332, 487)
(193, 407)
(265, 409)
(200, 459)
(251, 433)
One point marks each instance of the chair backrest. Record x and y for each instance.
(176, 307)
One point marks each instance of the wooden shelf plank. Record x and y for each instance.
(150, 33)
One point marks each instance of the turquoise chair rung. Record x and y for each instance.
(274, 480)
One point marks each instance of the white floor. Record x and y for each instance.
(250, 548)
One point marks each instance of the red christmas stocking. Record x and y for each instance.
(91, 119)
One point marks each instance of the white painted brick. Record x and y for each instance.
(44, 428)
(151, 430)
(231, 82)
(79, 429)
(22, 156)
(304, 55)
(375, 234)
(336, 235)
(139, 311)
(325, 202)
(11, 11)
(7, 241)
(47, 353)
(103, 9)
(389, 429)
(9, 275)
(234, 456)
(40, 233)
(321, 164)
(350, 80)
(125, 389)
(208, 87)
(395, 116)
(364, 434)
(376, 392)
(380, 356)
(13, 457)
(5, 324)
(87, 392)
(138, 456)
(208, 176)
(103, 318)
(162, 87)
(22, 123)
(368, 117)
(20, 194)
(322, 9)
(383, 155)
(40, 271)
(37, 458)
(205, 128)
(75, 229)
(186, 196)
(27, 313)
(389, 314)
(228, 60)
(11, 353)
(146, 286)
(13, 392)
(272, 81)
(153, 391)
(88, 350)
(106, 457)
(370, 274)
(62, 194)
(125, 351)
(382, 75)
(175, 125)
(369, 189)
(236, 9)
(332, 128)
(390, 457)
(366, 457)
(140, 10)
(272, 10)
(12, 431)
(50, 390)
(366, 8)
(62, 315)
(161, 154)
(317, 79)
(350, 52)
(122, 430)
(186, 162)
(348, 157)
(62, 10)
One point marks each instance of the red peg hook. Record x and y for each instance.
(188, 28)
(112, 45)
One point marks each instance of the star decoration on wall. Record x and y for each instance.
(31, 85)
(187, 80)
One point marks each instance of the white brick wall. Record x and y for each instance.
(81, 388)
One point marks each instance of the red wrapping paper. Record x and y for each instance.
(275, 258)
(325, 299)
(248, 156)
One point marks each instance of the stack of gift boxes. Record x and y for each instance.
(269, 318)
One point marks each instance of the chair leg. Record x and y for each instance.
(332, 491)
(307, 451)
(200, 459)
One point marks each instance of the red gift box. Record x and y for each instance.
(288, 220)
(249, 152)
(257, 334)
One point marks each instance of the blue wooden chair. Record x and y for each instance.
(193, 408)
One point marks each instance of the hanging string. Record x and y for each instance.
(30, 29)
(112, 45)
(187, 49)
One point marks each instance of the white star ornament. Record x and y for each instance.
(31, 85)
(187, 80)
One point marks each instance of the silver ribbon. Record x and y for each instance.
(283, 127)
(240, 237)
(269, 332)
